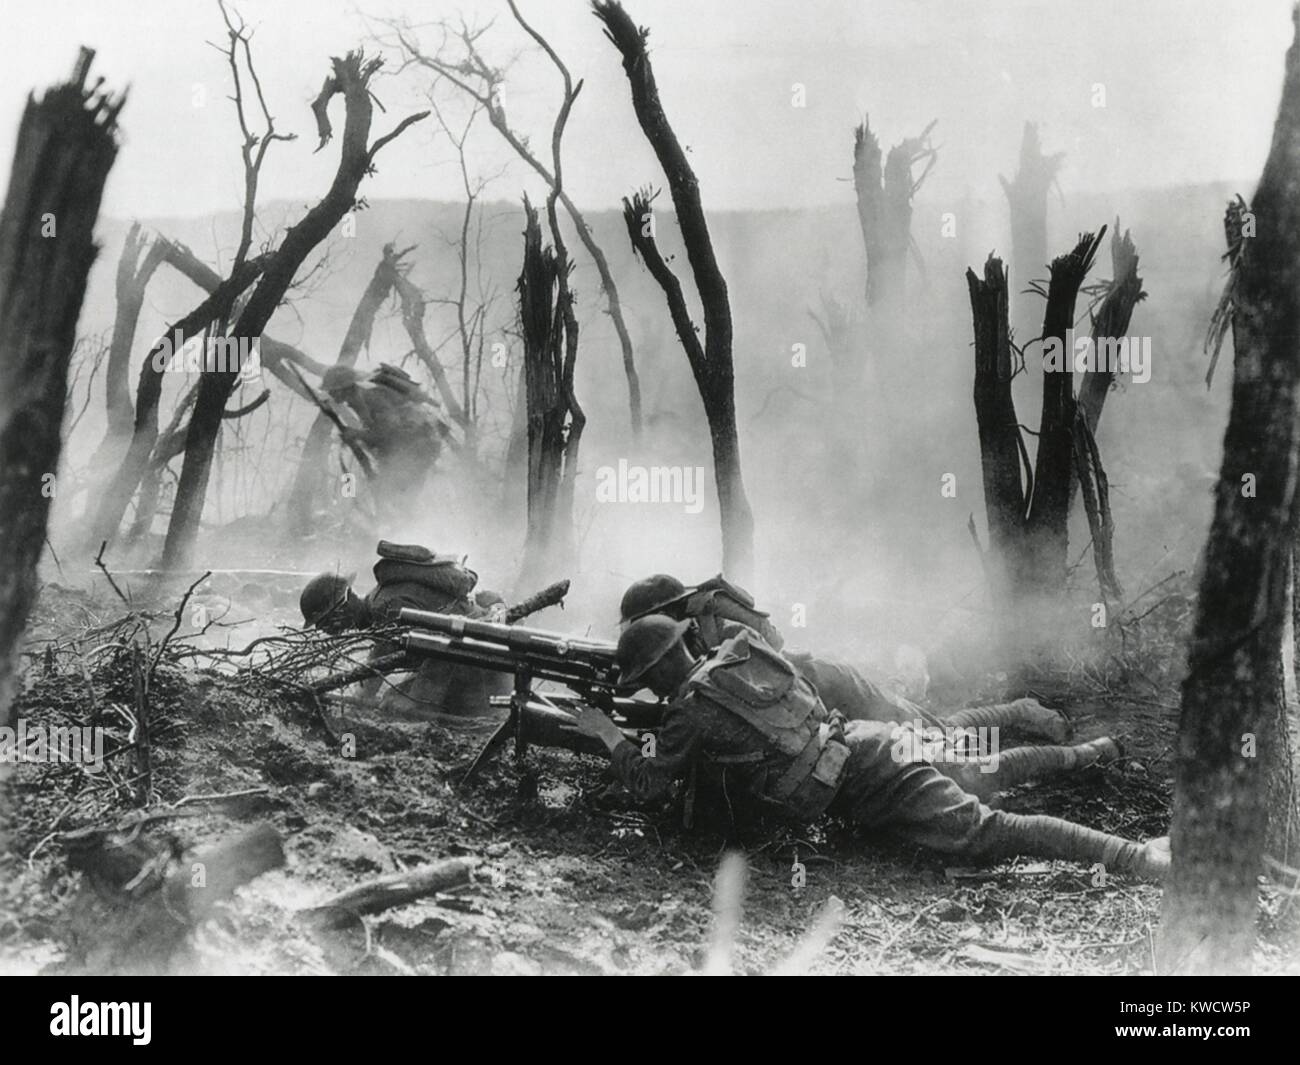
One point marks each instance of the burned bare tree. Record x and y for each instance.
(1027, 198)
(884, 194)
(1110, 324)
(105, 511)
(471, 313)
(135, 269)
(151, 449)
(549, 327)
(1230, 745)
(67, 143)
(711, 362)
(460, 62)
(1028, 503)
(350, 78)
(413, 305)
(553, 418)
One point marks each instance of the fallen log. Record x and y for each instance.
(396, 889)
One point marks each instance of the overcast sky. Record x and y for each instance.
(1191, 89)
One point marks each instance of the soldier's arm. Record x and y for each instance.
(731, 617)
(649, 776)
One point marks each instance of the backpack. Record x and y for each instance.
(445, 574)
(756, 684)
(717, 600)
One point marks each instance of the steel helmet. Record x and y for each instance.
(650, 596)
(323, 593)
(644, 643)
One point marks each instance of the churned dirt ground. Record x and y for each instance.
(572, 877)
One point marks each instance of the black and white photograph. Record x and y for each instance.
(650, 488)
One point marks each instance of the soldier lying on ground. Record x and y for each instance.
(745, 715)
(719, 609)
(412, 576)
(400, 427)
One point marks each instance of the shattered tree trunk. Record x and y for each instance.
(413, 306)
(66, 145)
(1047, 520)
(711, 363)
(1028, 504)
(554, 182)
(1002, 448)
(350, 77)
(276, 355)
(1220, 817)
(1109, 334)
(1027, 515)
(544, 324)
(613, 301)
(134, 272)
(310, 479)
(1112, 322)
(171, 442)
(1027, 199)
(868, 187)
(884, 197)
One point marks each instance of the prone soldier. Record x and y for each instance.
(413, 576)
(745, 717)
(719, 609)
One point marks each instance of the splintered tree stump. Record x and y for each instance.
(1027, 198)
(398, 889)
(66, 145)
(554, 419)
(140, 901)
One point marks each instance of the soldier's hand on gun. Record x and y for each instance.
(592, 722)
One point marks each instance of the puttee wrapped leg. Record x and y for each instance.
(1026, 714)
(1039, 836)
(987, 775)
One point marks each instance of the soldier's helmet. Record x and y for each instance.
(324, 593)
(650, 596)
(644, 643)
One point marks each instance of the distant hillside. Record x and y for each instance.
(1159, 439)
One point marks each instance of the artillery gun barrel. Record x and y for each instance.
(473, 652)
(514, 637)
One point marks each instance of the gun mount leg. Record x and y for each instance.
(494, 743)
(519, 701)
(514, 723)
